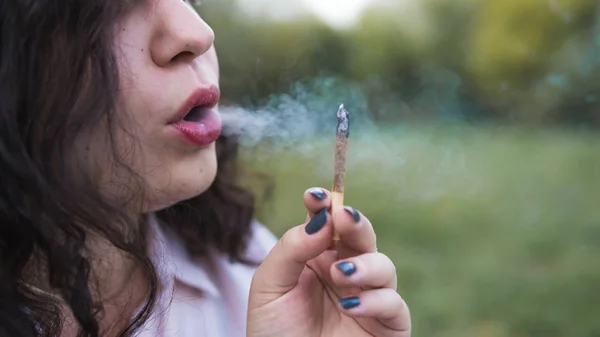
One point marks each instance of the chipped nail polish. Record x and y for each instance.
(353, 212)
(318, 193)
(348, 268)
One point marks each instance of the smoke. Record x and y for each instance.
(307, 113)
(303, 121)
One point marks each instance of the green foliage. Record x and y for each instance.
(495, 231)
(513, 47)
(516, 60)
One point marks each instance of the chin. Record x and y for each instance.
(196, 185)
(186, 180)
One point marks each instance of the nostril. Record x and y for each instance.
(185, 56)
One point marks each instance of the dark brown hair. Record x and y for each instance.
(58, 80)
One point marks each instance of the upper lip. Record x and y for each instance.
(207, 97)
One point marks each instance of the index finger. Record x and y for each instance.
(315, 200)
(357, 235)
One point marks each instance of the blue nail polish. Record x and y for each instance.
(317, 222)
(353, 212)
(350, 302)
(348, 268)
(318, 193)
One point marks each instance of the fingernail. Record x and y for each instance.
(353, 212)
(350, 302)
(348, 268)
(318, 193)
(317, 222)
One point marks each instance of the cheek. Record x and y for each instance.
(213, 61)
(150, 176)
(107, 166)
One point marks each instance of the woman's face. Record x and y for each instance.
(169, 90)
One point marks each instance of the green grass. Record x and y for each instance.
(495, 231)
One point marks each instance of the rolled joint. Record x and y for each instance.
(337, 202)
(341, 147)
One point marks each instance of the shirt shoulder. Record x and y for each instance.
(199, 272)
(203, 296)
(262, 240)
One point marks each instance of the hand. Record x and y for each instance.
(307, 288)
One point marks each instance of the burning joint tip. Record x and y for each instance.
(342, 112)
(343, 119)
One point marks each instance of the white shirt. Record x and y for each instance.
(201, 297)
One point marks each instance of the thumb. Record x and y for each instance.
(281, 269)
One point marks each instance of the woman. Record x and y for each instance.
(114, 219)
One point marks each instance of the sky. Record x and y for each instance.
(338, 13)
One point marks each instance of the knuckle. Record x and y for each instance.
(385, 260)
(289, 240)
(395, 300)
(401, 304)
(395, 305)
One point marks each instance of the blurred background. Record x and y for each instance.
(474, 147)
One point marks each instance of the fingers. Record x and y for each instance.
(386, 305)
(373, 270)
(356, 233)
(282, 267)
(315, 200)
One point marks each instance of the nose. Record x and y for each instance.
(182, 35)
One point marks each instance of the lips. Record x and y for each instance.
(197, 121)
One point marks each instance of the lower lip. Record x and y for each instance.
(201, 133)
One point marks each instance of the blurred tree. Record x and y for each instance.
(473, 264)
(511, 48)
(380, 46)
(520, 60)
